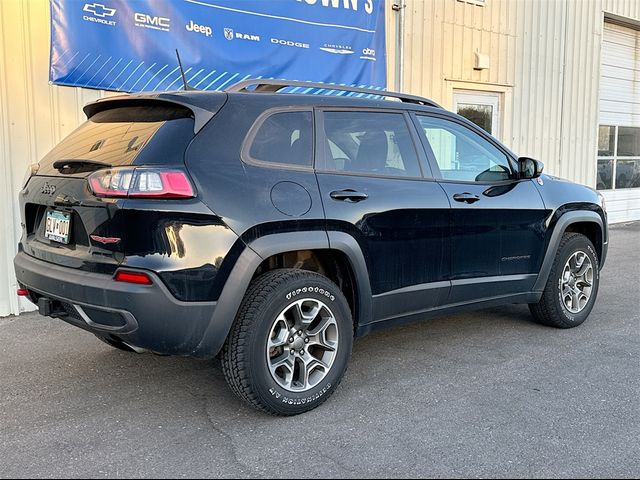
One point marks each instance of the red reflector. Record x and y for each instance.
(133, 277)
(22, 292)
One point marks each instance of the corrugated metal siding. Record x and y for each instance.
(544, 53)
(33, 117)
(620, 77)
(620, 104)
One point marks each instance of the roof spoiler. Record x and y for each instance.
(201, 113)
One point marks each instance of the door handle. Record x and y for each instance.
(348, 195)
(466, 197)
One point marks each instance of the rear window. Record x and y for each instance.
(148, 134)
(284, 138)
(373, 143)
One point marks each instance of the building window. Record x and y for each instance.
(618, 157)
(482, 108)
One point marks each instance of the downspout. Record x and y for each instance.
(399, 8)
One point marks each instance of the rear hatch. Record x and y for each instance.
(64, 222)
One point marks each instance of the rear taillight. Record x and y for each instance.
(138, 278)
(143, 182)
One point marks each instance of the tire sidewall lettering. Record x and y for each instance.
(319, 290)
(289, 400)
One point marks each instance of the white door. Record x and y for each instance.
(618, 175)
(482, 108)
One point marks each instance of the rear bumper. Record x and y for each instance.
(143, 316)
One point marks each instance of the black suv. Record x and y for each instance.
(269, 227)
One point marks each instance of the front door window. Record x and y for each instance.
(462, 155)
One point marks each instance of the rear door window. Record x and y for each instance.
(375, 143)
(284, 138)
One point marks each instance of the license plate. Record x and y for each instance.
(57, 226)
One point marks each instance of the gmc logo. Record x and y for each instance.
(149, 21)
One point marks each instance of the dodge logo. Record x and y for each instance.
(48, 189)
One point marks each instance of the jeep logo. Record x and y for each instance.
(48, 189)
(194, 27)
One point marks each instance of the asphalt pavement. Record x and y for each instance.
(482, 394)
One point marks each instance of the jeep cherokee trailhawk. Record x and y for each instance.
(270, 228)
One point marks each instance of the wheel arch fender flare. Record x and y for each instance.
(560, 227)
(264, 247)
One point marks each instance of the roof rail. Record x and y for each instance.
(273, 86)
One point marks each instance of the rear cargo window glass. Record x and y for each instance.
(118, 136)
(284, 138)
(141, 113)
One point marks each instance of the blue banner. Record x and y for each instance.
(130, 46)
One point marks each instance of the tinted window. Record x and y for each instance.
(126, 135)
(369, 142)
(628, 142)
(284, 138)
(463, 155)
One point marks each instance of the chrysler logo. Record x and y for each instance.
(48, 189)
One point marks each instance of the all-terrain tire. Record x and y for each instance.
(245, 356)
(552, 310)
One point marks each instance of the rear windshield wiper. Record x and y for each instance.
(78, 166)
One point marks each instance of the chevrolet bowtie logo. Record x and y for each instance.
(99, 10)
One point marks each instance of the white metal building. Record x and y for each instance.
(558, 80)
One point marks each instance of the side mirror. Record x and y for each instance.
(529, 168)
